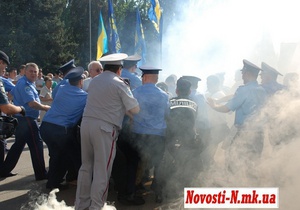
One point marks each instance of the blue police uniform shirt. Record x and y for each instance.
(135, 81)
(154, 107)
(272, 87)
(54, 91)
(25, 92)
(67, 107)
(247, 99)
(8, 85)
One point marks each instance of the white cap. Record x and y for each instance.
(114, 59)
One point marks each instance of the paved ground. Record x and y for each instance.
(22, 191)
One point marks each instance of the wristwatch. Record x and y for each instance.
(22, 112)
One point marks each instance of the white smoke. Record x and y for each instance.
(207, 37)
(50, 202)
(278, 165)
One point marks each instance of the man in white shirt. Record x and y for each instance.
(94, 68)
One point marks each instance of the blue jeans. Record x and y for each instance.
(27, 132)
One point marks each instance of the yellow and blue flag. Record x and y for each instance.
(102, 45)
(154, 14)
(139, 42)
(114, 41)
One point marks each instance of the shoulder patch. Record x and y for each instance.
(27, 89)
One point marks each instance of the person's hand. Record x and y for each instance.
(211, 102)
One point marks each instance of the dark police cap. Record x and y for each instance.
(192, 79)
(4, 57)
(67, 67)
(149, 69)
(248, 66)
(269, 69)
(183, 84)
(75, 74)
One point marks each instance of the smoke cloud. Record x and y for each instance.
(207, 37)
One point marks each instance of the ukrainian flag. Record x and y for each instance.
(114, 41)
(139, 42)
(154, 14)
(102, 45)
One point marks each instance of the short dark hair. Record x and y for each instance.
(183, 87)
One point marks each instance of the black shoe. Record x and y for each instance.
(158, 199)
(8, 175)
(131, 200)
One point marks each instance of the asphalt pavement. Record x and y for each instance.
(21, 192)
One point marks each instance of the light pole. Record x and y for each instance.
(90, 20)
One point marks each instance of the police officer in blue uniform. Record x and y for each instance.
(27, 131)
(59, 126)
(6, 108)
(269, 79)
(64, 69)
(129, 71)
(247, 100)
(149, 125)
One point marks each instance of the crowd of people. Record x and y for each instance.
(114, 124)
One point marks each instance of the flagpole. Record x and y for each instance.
(90, 21)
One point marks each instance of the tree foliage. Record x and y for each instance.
(50, 33)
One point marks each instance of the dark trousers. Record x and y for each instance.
(125, 166)
(27, 132)
(60, 143)
(151, 149)
(2, 151)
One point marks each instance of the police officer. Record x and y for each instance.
(4, 61)
(149, 125)
(247, 100)
(269, 79)
(64, 69)
(202, 122)
(129, 71)
(108, 100)
(25, 94)
(180, 138)
(9, 109)
(58, 129)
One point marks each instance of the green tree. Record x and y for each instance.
(34, 32)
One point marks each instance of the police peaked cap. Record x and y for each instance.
(67, 67)
(4, 57)
(269, 69)
(248, 66)
(149, 69)
(131, 60)
(75, 74)
(114, 59)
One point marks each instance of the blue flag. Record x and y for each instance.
(102, 45)
(113, 39)
(154, 14)
(139, 41)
